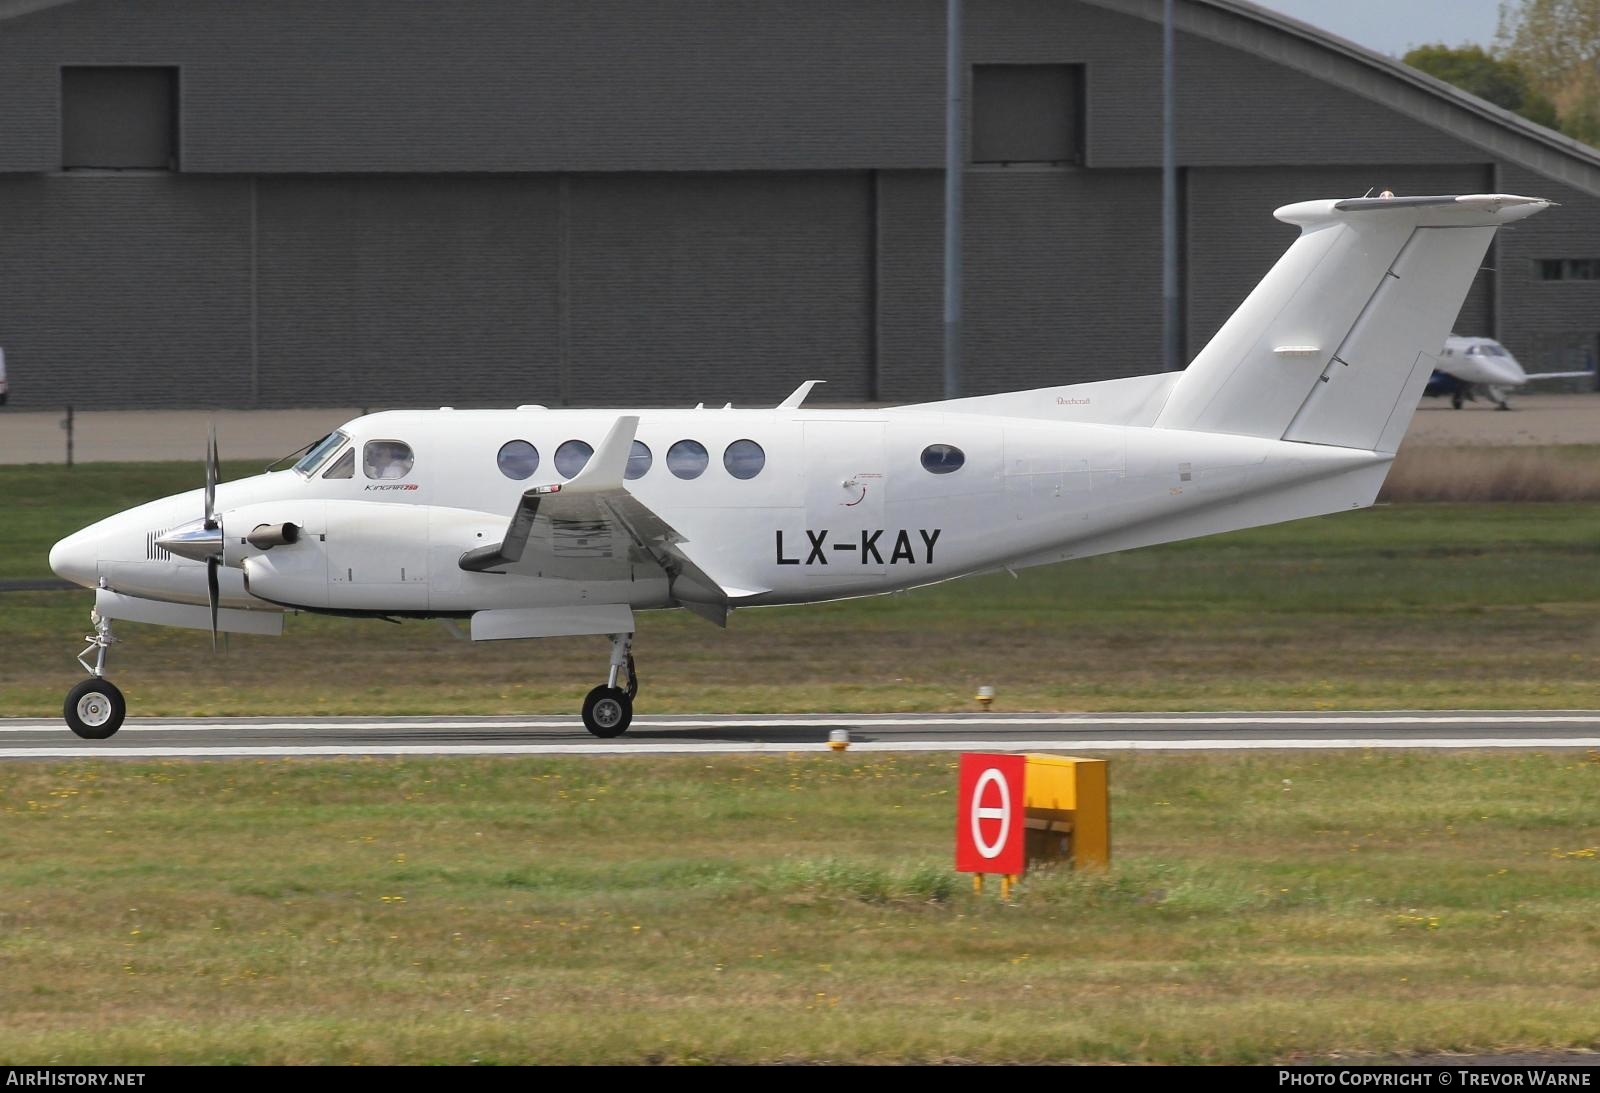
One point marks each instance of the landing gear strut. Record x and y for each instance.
(94, 709)
(608, 709)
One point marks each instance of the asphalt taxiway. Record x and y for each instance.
(246, 737)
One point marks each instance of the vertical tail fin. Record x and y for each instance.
(1336, 342)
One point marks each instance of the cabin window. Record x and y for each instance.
(343, 467)
(518, 459)
(572, 457)
(687, 459)
(744, 459)
(942, 458)
(386, 459)
(639, 460)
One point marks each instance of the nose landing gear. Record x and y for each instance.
(94, 709)
(608, 709)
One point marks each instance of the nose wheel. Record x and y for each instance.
(94, 709)
(608, 709)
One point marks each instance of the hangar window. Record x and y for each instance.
(572, 457)
(744, 459)
(386, 459)
(1027, 114)
(119, 118)
(518, 459)
(942, 458)
(687, 459)
(1569, 269)
(639, 460)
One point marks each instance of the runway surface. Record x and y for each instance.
(243, 737)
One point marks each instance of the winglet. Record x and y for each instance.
(604, 469)
(793, 401)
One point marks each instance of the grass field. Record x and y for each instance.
(1261, 908)
(1493, 605)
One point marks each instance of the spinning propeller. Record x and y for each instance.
(201, 541)
(211, 523)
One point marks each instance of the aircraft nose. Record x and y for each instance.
(1508, 373)
(74, 559)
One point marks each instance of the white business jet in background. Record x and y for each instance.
(540, 523)
(1469, 365)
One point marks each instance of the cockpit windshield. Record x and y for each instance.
(319, 452)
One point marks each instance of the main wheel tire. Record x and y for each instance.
(607, 711)
(94, 709)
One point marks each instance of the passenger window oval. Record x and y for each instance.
(687, 459)
(518, 459)
(639, 461)
(744, 459)
(571, 457)
(386, 459)
(942, 458)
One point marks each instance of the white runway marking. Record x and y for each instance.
(641, 747)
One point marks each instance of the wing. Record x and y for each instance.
(592, 528)
(1587, 373)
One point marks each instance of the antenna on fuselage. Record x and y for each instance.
(793, 401)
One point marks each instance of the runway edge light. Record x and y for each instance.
(1016, 811)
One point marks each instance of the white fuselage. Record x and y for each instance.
(1482, 361)
(842, 506)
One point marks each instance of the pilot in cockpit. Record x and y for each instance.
(387, 459)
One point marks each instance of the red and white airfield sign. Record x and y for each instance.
(989, 819)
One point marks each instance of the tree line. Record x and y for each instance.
(1544, 64)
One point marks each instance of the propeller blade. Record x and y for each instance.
(213, 473)
(213, 594)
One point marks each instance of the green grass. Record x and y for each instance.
(1416, 605)
(1267, 907)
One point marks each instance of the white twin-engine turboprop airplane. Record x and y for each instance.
(545, 523)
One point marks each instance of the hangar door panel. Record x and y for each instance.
(381, 292)
(714, 287)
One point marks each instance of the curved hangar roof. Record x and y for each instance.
(1361, 71)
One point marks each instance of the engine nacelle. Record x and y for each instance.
(367, 556)
(244, 526)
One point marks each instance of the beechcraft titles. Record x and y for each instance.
(865, 547)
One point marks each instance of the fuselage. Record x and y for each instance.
(776, 506)
(1474, 360)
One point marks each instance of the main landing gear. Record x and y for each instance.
(608, 709)
(94, 709)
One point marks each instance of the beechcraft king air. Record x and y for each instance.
(546, 523)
